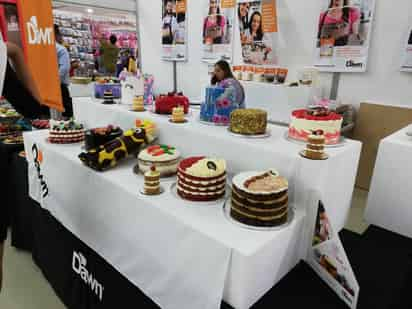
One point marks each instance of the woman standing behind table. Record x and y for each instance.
(223, 77)
(214, 25)
(339, 22)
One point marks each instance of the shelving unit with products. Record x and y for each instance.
(83, 28)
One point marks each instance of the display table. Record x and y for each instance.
(389, 202)
(178, 253)
(334, 178)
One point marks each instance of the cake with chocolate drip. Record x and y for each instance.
(260, 199)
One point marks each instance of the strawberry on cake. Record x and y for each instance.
(165, 103)
(65, 132)
(306, 121)
(201, 179)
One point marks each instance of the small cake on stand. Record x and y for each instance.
(315, 148)
(152, 182)
(108, 97)
(178, 115)
(138, 104)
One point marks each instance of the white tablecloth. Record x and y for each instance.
(334, 178)
(390, 197)
(180, 254)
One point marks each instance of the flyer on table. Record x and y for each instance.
(327, 257)
(217, 27)
(343, 35)
(258, 27)
(174, 30)
(406, 62)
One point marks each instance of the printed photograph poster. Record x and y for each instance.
(217, 30)
(343, 35)
(328, 259)
(174, 30)
(258, 27)
(406, 62)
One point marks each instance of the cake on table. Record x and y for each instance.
(138, 104)
(201, 179)
(305, 121)
(259, 199)
(152, 181)
(248, 121)
(100, 136)
(108, 97)
(165, 103)
(65, 132)
(178, 115)
(165, 158)
(150, 129)
(315, 148)
(108, 155)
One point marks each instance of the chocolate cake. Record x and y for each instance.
(100, 136)
(260, 199)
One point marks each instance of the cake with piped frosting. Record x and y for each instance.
(259, 199)
(165, 158)
(65, 132)
(201, 179)
(305, 121)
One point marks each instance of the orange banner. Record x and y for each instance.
(36, 20)
(269, 16)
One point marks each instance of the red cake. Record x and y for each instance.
(201, 179)
(165, 103)
(306, 121)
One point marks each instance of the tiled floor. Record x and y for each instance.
(25, 287)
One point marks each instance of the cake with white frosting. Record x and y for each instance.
(259, 199)
(65, 132)
(305, 121)
(201, 179)
(165, 158)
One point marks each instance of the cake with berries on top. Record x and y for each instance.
(152, 182)
(305, 121)
(201, 179)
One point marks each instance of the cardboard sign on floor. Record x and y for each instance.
(326, 255)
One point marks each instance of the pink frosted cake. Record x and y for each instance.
(306, 121)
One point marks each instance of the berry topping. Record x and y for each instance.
(211, 165)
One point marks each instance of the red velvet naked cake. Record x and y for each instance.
(165, 103)
(201, 179)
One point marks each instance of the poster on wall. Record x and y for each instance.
(406, 64)
(36, 20)
(327, 256)
(258, 27)
(217, 30)
(343, 35)
(174, 29)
